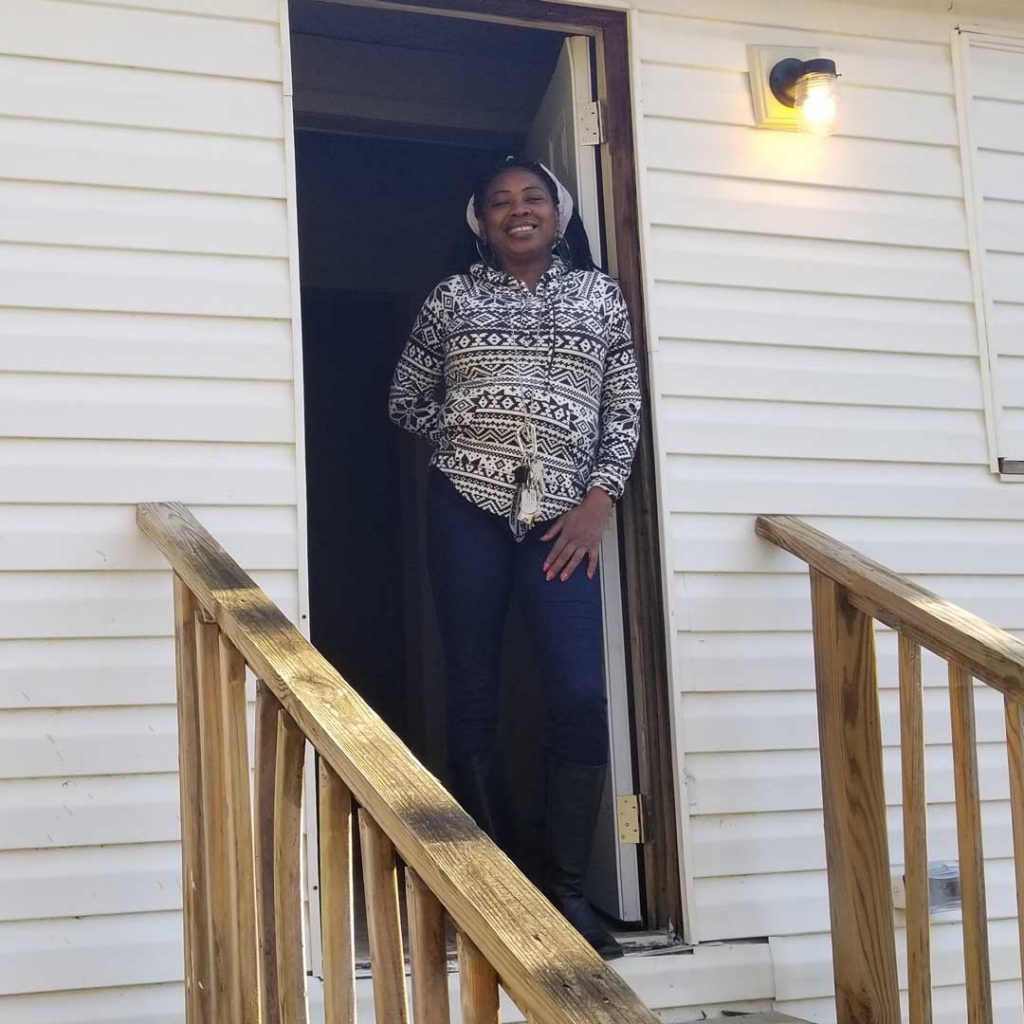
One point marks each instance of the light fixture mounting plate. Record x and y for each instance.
(768, 111)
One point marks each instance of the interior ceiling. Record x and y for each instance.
(361, 70)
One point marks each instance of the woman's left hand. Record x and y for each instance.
(579, 534)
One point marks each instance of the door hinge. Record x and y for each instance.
(631, 818)
(590, 124)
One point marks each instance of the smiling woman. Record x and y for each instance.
(521, 372)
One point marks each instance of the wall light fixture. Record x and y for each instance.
(794, 89)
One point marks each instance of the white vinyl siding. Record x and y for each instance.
(990, 84)
(145, 354)
(816, 354)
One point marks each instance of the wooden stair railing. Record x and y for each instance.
(848, 592)
(241, 860)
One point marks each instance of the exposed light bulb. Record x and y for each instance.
(817, 103)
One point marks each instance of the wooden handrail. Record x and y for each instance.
(847, 592)
(989, 653)
(511, 933)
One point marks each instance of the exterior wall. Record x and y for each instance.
(145, 354)
(812, 306)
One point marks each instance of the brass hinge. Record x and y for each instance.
(590, 124)
(631, 818)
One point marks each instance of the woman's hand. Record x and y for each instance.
(579, 534)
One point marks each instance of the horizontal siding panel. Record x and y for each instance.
(803, 318)
(91, 952)
(105, 218)
(810, 487)
(105, 604)
(794, 430)
(722, 543)
(739, 844)
(752, 906)
(245, 10)
(101, 810)
(61, 341)
(790, 780)
(723, 97)
(722, 722)
(88, 741)
(104, 472)
(1003, 225)
(998, 125)
(739, 602)
(1006, 273)
(174, 41)
(36, 884)
(141, 158)
(722, 44)
(57, 90)
(1009, 328)
(104, 279)
(60, 538)
(139, 408)
(792, 156)
(997, 74)
(733, 259)
(763, 372)
(999, 175)
(804, 211)
(141, 1004)
(94, 672)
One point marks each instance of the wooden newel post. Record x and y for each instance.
(856, 838)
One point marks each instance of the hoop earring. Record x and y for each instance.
(483, 250)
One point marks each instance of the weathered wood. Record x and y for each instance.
(534, 950)
(428, 952)
(915, 833)
(336, 904)
(969, 840)
(291, 972)
(268, 709)
(190, 780)
(1015, 757)
(478, 985)
(384, 923)
(856, 838)
(986, 652)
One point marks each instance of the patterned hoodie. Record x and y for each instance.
(485, 354)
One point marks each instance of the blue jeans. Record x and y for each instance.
(475, 566)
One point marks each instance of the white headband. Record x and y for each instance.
(565, 208)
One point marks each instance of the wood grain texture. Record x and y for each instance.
(193, 874)
(986, 652)
(969, 838)
(1015, 758)
(478, 985)
(384, 923)
(533, 949)
(856, 838)
(915, 833)
(291, 971)
(428, 952)
(268, 709)
(336, 905)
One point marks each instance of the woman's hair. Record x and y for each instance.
(575, 247)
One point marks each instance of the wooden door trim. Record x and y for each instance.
(640, 538)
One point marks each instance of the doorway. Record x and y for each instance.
(397, 114)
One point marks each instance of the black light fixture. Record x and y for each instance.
(811, 88)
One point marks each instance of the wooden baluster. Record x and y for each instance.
(336, 907)
(915, 833)
(190, 779)
(856, 835)
(478, 985)
(291, 970)
(1015, 756)
(972, 862)
(380, 882)
(428, 952)
(265, 756)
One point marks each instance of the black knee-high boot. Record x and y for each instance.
(573, 798)
(476, 784)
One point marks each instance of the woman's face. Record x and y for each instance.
(519, 218)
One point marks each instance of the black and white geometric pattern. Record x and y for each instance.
(485, 353)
